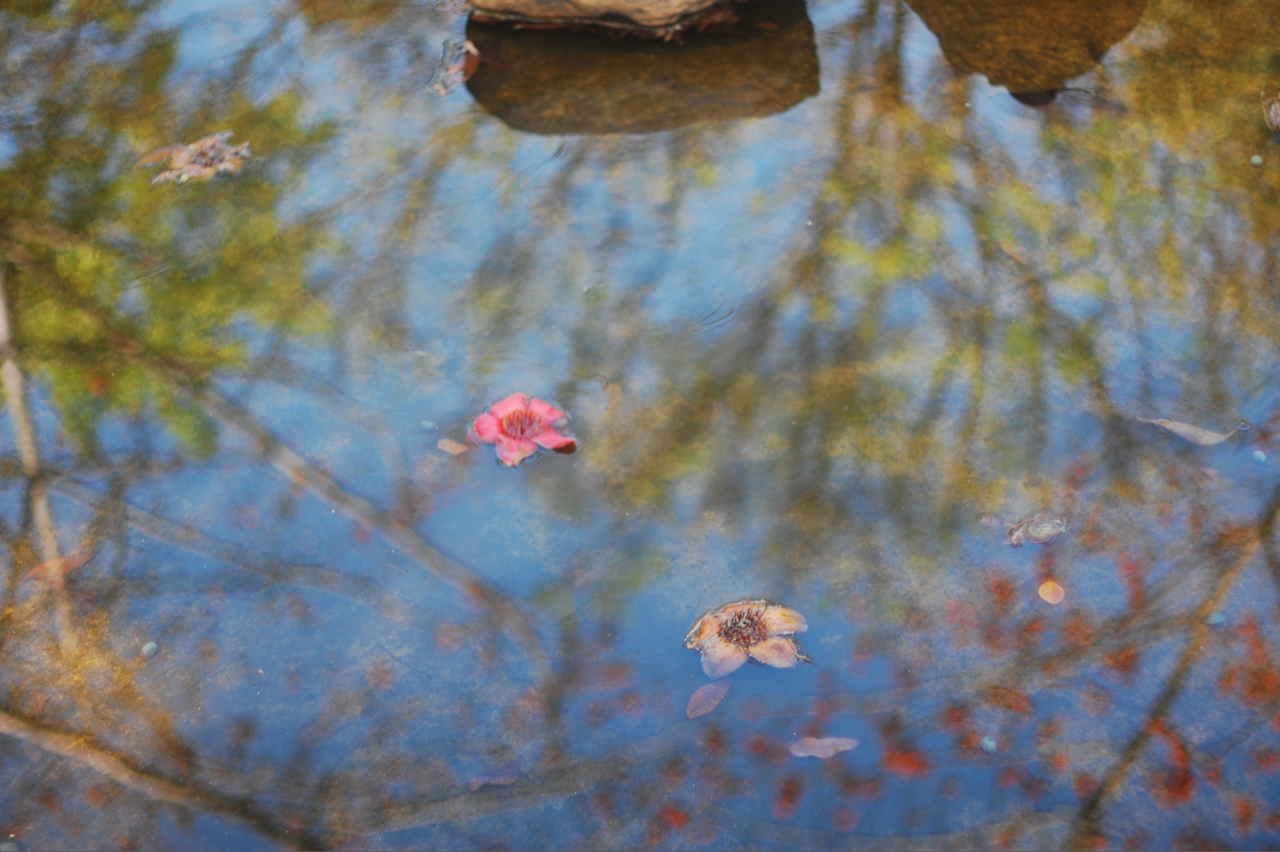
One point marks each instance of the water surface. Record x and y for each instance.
(842, 294)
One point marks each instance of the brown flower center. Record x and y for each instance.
(745, 628)
(522, 424)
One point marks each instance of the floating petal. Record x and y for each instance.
(453, 448)
(1194, 434)
(61, 567)
(707, 698)
(1051, 592)
(823, 747)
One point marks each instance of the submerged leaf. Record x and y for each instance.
(706, 698)
(1194, 434)
(822, 747)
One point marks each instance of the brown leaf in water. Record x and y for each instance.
(822, 747)
(64, 565)
(453, 448)
(705, 699)
(1194, 434)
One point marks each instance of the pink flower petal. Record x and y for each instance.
(545, 412)
(779, 652)
(515, 402)
(486, 428)
(550, 439)
(512, 451)
(720, 658)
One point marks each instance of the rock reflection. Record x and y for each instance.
(561, 82)
(1031, 47)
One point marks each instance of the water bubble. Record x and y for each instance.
(1259, 456)
(1243, 425)
(149, 650)
(988, 744)
(1256, 159)
(988, 521)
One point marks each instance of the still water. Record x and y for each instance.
(929, 322)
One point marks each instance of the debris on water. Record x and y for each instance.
(1215, 619)
(821, 747)
(707, 698)
(988, 521)
(427, 425)
(199, 161)
(1051, 592)
(988, 744)
(458, 61)
(1194, 434)
(1259, 456)
(520, 426)
(1256, 159)
(1040, 527)
(1271, 111)
(504, 777)
(756, 629)
(1243, 425)
(149, 650)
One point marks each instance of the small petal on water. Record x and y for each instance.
(1194, 434)
(1051, 592)
(707, 698)
(65, 565)
(453, 448)
(822, 747)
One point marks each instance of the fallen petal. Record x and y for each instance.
(1051, 592)
(1194, 434)
(822, 747)
(706, 698)
(63, 565)
(453, 448)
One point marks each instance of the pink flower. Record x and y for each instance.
(756, 629)
(519, 426)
